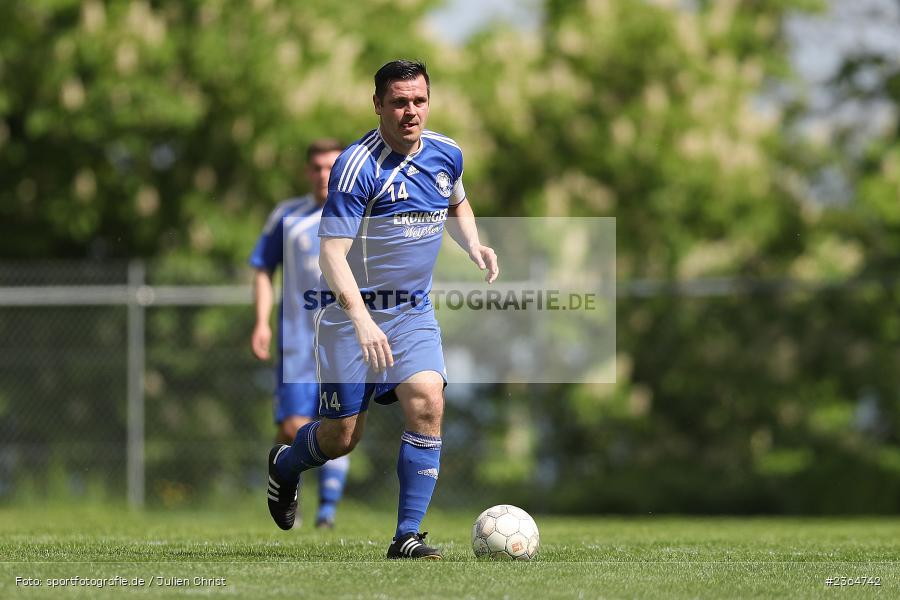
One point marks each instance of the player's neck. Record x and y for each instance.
(399, 146)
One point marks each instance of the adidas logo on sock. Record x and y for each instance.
(412, 170)
(433, 473)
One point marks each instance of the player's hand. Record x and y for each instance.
(486, 259)
(376, 350)
(262, 337)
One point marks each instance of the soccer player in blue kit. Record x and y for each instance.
(390, 196)
(289, 239)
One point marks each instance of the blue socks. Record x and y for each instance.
(303, 454)
(332, 477)
(417, 468)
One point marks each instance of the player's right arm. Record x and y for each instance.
(263, 298)
(376, 350)
(265, 258)
(351, 186)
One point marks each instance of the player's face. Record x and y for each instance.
(317, 171)
(403, 111)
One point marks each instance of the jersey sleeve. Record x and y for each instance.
(458, 195)
(351, 186)
(267, 254)
(342, 215)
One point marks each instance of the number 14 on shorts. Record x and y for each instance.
(325, 403)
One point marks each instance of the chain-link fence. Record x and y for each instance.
(116, 384)
(123, 382)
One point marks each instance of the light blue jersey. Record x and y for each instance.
(289, 239)
(394, 206)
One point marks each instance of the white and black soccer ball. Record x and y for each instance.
(505, 532)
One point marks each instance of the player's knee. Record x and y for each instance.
(287, 429)
(286, 432)
(429, 411)
(433, 413)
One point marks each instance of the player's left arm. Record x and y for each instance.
(462, 228)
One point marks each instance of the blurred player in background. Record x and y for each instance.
(290, 239)
(388, 200)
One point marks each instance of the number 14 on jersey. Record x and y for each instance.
(400, 193)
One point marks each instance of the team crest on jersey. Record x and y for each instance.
(443, 184)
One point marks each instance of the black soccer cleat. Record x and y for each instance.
(282, 496)
(411, 546)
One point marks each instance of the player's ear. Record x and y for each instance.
(377, 102)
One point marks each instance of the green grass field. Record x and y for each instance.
(647, 557)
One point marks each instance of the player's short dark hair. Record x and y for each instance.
(399, 70)
(322, 146)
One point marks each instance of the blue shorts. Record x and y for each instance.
(347, 383)
(295, 399)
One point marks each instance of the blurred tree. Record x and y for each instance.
(166, 129)
(140, 128)
(667, 116)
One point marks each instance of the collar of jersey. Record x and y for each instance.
(386, 145)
